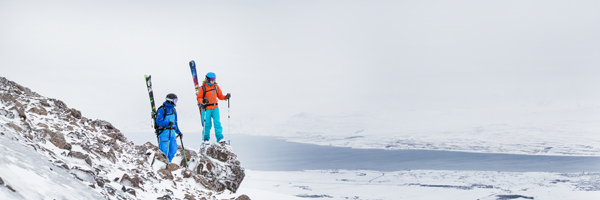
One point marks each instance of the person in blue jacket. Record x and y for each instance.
(166, 119)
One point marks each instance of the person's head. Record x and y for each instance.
(171, 98)
(211, 77)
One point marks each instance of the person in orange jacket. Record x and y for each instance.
(207, 97)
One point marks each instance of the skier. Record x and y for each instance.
(166, 119)
(208, 99)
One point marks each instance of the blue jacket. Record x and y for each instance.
(163, 119)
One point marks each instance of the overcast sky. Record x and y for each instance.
(281, 58)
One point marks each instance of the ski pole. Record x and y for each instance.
(228, 123)
(169, 145)
(203, 126)
(183, 148)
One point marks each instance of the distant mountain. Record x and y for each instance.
(51, 151)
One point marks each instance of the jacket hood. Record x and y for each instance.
(168, 105)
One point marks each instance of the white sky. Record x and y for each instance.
(281, 58)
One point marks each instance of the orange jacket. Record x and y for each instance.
(212, 92)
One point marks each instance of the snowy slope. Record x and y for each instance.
(23, 169)
(50, 151)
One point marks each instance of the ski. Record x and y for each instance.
(196, 85)
(151, 94)
(194, 75)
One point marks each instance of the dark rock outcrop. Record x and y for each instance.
(126, 180)
(243, 197)
(218, 165)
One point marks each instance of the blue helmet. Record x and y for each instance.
(211, 76)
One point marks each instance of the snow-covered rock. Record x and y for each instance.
(51, 151)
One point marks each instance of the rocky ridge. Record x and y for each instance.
(99, 155)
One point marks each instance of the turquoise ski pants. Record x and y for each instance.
(207, 114)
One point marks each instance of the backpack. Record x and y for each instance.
(204, 95)
(158, 129)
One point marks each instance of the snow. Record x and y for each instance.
(259, 194)
(558, 129)
(423, 184)
(543, 128)
(23, 168)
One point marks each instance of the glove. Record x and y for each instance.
(171, 124)
(228, 95)
(180, 135)
(205, 101)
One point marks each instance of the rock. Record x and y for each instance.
(172, 167)
(165, 174)
(243, 197)
(166, 197)
(219, 152)
(77, 154)
(8, 98)
(10, 188)
(131, 191)
(147, 148)
(39, 111)
(101, 182)
(227, 174)
(58, 140)
(62, 164)
(159, 156)
(128, 190)
(8, 114)
(110, 190)
(59, 104)
(103, 124)
(21, 112)
(203, 182)
(84, 174)
(74, 135)
(15, 127)
(1, 181)
(44, 103)
(189, 154)
(24, 90)
(80, 155)
(131, 182)
(186, 173)
(75, 113)
(189, 197)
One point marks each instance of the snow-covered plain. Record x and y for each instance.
(531, 128)
(424, 184)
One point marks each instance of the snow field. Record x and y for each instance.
(424, 184)
(549, 128)
(22, 168)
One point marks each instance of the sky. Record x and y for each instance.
(279, 59)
